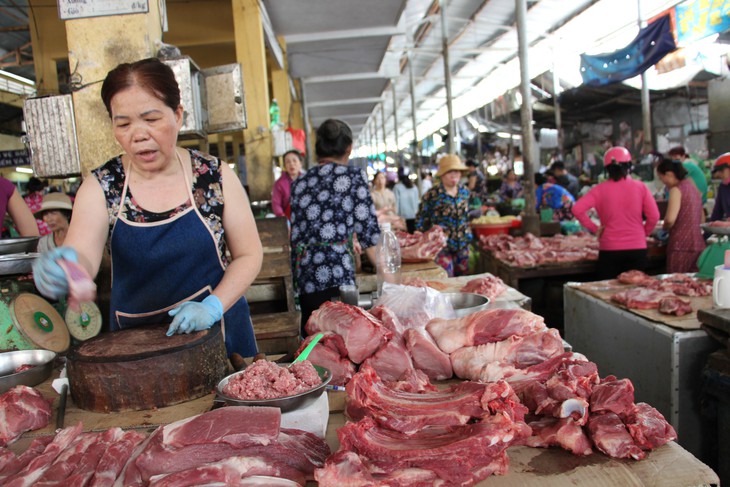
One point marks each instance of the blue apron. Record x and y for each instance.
(159, 265)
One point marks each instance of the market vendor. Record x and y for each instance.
(552, 196)
(622, 204)
(721, 170)
(330, 203)
(169, 214)
(447, 205)
(55, 212)
(281, 194)
(683, 217)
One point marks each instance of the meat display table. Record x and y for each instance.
(668, 466)
(512, 275)
(664, 363)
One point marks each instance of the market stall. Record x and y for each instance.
(662, 355)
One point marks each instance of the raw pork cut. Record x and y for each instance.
(426, 355)
(489, 286)
(362, 333)
(521, 352)
(635, 277)
(682, 285)
(460, 455)
(490, 325)
(408, 412)
(331, 354)
(565, 433)
(648, 427)
(611, 437)
(388, 318)
(392, 361)
(12, 464)
(422, 246)
(346, 468)
(114, 458)
(675, 306)
(66, 462)
(84, 471)
(640, 298)
(22, 409)
(613, 395)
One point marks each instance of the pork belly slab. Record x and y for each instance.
(22, 409)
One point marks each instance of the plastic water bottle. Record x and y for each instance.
(388, 257)
(274, 115)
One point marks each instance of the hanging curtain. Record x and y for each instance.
(653, 43)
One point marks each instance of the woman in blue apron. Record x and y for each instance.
(160, 208)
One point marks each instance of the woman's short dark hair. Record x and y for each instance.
(295, 152)
(150, 74)
(35, 185)
(618, 170)
(668, 165)
(334, 137)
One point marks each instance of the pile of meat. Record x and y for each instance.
(267, 380)
(532, 251)
(489, 285)
(661, 293)
(220, 447)
(457, 436)
(22, 409)
(421, 245)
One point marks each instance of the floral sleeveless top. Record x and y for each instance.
(207, 190)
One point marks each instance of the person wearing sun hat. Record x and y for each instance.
(446, 204)
(721, 171)
(55, 211)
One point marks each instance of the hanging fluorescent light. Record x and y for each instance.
(25, 170)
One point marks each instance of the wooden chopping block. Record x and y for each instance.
(142, 368)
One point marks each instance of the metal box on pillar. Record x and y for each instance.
(224, 98)
(51, 136)
(192, 88)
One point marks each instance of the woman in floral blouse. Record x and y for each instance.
(447, 205)
(329, 205)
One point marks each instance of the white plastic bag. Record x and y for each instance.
(415, 306)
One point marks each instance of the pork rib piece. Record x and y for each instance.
(22, 409)
(12, 464)
(491, 325)
(84, 471)
(228, 471)
(426, 355)
(67, 461)
(648, 427)
(331, 354)
(460, 455)
(409, 412)
(424, 245)
(611, 437)
(468, 362)
(640, 298)
(346, 468)
(682, 285)
(363, 334)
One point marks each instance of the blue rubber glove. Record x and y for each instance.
(49, 277)
(195, 316)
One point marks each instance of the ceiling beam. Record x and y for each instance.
(349, 101)
(343, 34)
(344, 77)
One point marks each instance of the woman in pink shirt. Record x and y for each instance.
(282, 187)
(627, 213)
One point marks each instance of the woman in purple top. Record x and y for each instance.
(13, 203)
(281, 193)
(683, 217)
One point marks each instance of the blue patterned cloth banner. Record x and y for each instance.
(653, 43)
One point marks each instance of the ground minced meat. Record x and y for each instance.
(267, 380)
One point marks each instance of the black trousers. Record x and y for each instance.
(611, 263)
(308, 303)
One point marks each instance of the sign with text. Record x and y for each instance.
(79, 9)
(9, 158)
(699, 18)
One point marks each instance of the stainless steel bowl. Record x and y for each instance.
(9, 361)
(18, 245)
(17, 263)
(467, 303)
(286, 403)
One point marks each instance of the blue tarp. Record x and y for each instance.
(653, 43)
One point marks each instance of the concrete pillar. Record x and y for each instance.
(251, 54)
(48, 38)
(95, 46)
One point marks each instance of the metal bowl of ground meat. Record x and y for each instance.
(26, 367)
(268, 379)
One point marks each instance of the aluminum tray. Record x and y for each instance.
(17, 263)
(286, 403)
(716, 230)
(9, 361)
